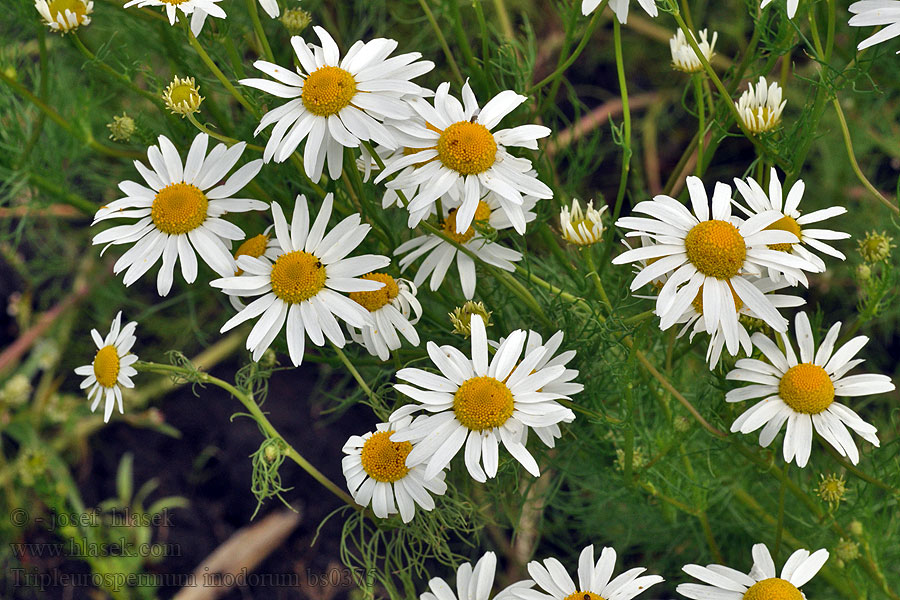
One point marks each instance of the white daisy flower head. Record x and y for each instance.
(111, 368)
(791, 6)
(335, 103)
(479, 404)
(582, 228)
(762, 583)
(455, 151)
(871, 13)
(63, 16)
(180, 212)
(619, 7)
(711, 252)
(441, 253)
(595, 581)
(305, 284)
(802, 392)
(760, 107)
(792, 219)
(394, 309)
(474, 583)
(683, 56)
(197, 9)
(376, 472)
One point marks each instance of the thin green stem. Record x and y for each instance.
(560, 69)
(443, 41)
(626, 119)
(217, 72)
(218, 136)
(124, 80)
(259, 31)
(355, 373)
(701, 118)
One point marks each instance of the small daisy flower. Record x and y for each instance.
(870, 13)
(182, 96)
(394, 309)
(761, 107)
(180, 212)
(479, 404)
(376, 472)
(456, 152)
(594, 579)
(336, 103)
(802, 392)
(619, 7)
(792, 220)
(791, 6)
(441, 253)
(582, 228)
(474, 584)
(302, 285)
(63, 16)
(198, 9)
(683, 56)
(708, 251)
(762, 583)
(111, 369)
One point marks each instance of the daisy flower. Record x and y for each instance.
(198, 9)
(791, 219)
(582, 228)
(63, 16)
(802, 392)
(180, 212)
(593, 579)
(869, 13)
(474, 584)
(441, 253)
(683, 56)
(791, 6)
(376, 472)
(619, 7)
(394, 309)
(709, 252)
(760, 108)
(111, 369)
(301, 286)
(479, 404)
(724, 583)
(336, 103)
(692, 319)
(456, 152)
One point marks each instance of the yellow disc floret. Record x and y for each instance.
(806, 388)
(179, 208)
(327, 90)
(383, 459)
(106, 366)
(482, 214)
(773, 589)
(716, 248)
(297, 276)
(697, 302)
(467, 148)
(788, 224)
(482, 403)
(374, 300)
(254, 247)
(583, 596)
(182, 96)
(59, 7)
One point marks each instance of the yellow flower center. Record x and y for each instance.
(179, 208)
(254, 247)
(374, 300)
(697, 303)
(583, 596)
(297, 276)
(327, 90)
(59, 7)
(785, 223)
(716, 248)
(482, 214)
(806, 388)
(773, 589)
(174, 2)
(383, 459)
(184, 93)
(467, 148)
(482, 403)
(762, 122)
(106, 366)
